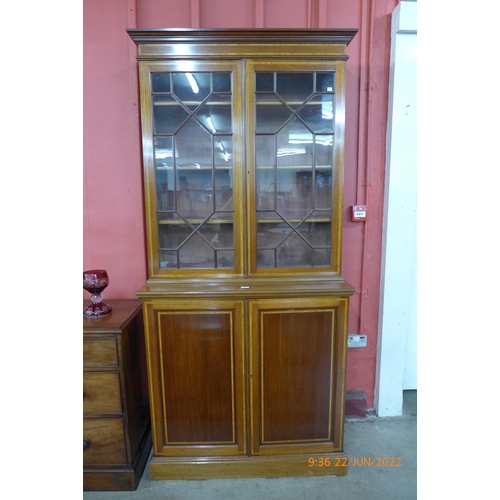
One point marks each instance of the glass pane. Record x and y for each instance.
(173, 234)
(271, 114)
(226, 220)
(317, 234)
(218, 230)
(295, 151)
(193, 144)
(266, 258)
(318, 113)
(224, 198)
(168, 260)
(286, 201)
(168, 115)
(191, 88)
(164, 179)
(160, 82)
(266, 192)
(222, 82)
(268, 216)
(215, 114)
(304, 187)
(225, 258)
(265, 160)
(295, 88)
(295, 144)
(196, 253)
(324, 151)
(265, 151)
(324, 82)
(163, 152)
(166, 198)
(275, 235)
(195, 194)
(264, 82)
(323, 257)
(294, 251)
(272, 233)
(323, 189)
(223, 154)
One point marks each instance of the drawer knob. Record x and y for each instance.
(86, 443)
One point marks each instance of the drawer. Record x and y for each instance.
(100, 352)
(101, 392)
(104, 441)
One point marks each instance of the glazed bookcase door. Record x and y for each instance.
(295, 130)
(192, 148)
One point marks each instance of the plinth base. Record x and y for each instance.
(326, 464)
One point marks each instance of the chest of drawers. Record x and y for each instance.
(116, 424)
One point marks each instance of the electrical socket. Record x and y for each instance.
(356, 340)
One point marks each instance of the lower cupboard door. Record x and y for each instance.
(198, 378)
(297, 358)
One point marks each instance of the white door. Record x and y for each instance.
(397, 346)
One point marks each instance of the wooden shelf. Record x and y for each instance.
(196, 222)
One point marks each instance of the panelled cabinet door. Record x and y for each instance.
(298, 353)
(197, 367)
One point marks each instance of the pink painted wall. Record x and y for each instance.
(114, 236)
(113, 205)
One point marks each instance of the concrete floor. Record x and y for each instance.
(373, 437)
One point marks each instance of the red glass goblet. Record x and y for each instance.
(95, 281)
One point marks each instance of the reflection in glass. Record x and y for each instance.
(324, 151)
(223, 151)
(318, 114)
(191, 88)
(215, 114)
